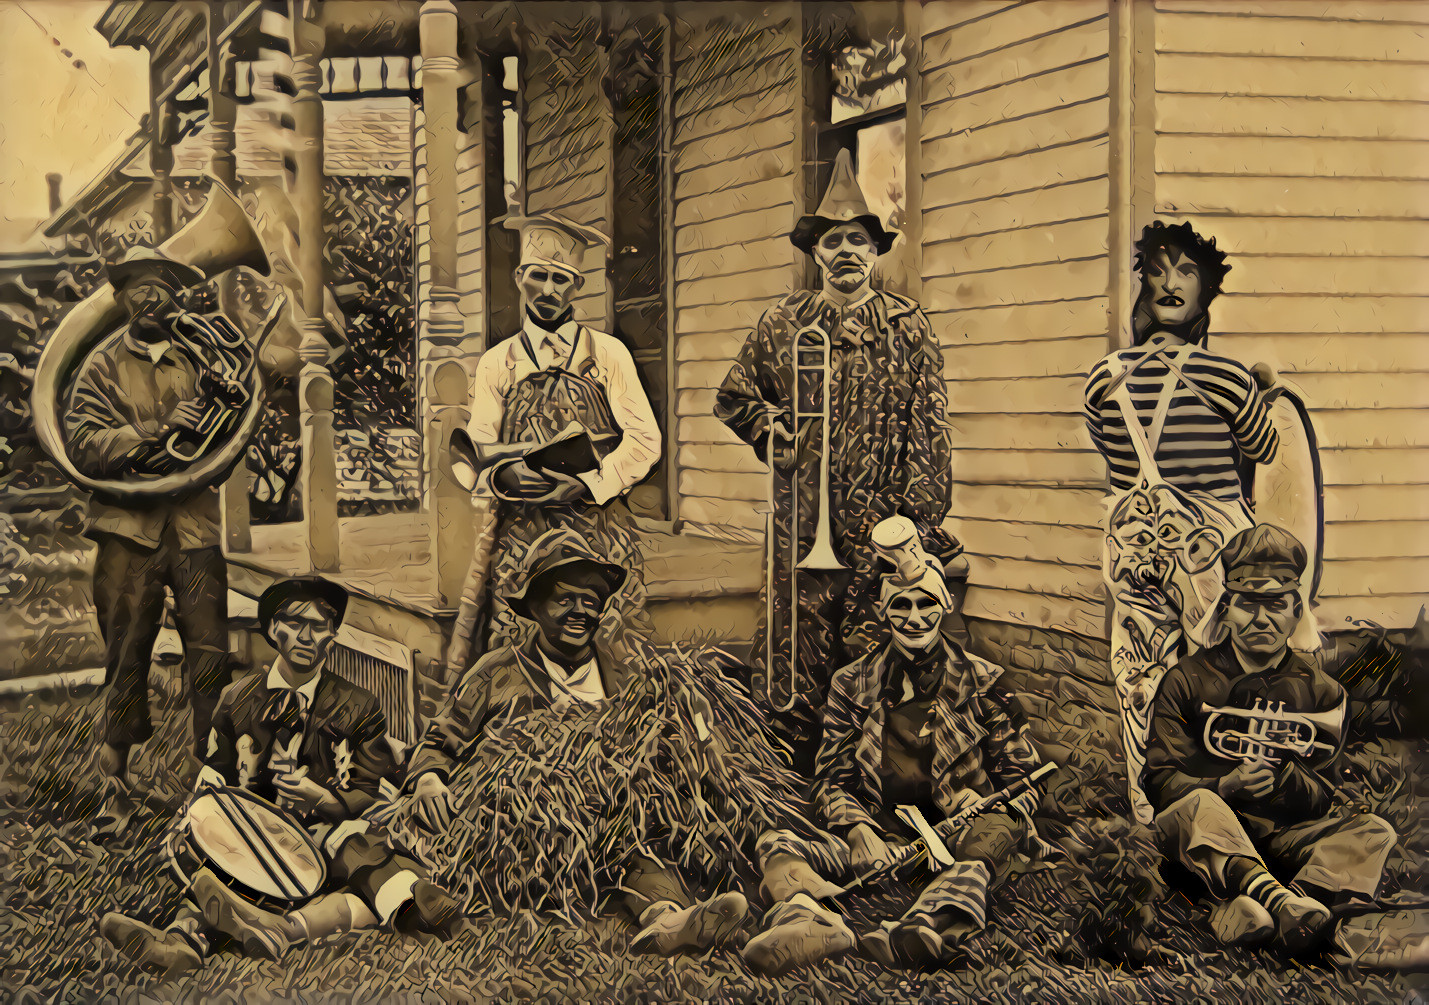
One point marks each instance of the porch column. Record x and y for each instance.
(318, 479)
(443, 389)
(223, 165)
(162, 125)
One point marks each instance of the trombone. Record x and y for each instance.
(812, 359)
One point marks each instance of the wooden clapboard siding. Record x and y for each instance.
(735, 169)
(568, 149)
(1295, 133)
(471, 229)
(1015, 199)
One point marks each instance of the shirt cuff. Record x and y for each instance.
(604, 484)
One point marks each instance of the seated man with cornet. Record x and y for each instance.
(1243, 737)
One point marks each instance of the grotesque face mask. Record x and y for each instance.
(304, 632)
(1173, 288)
(845, 255)
(914, 616)
(546, 292)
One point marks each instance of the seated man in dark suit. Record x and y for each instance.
(315, 745)
(1244, 735)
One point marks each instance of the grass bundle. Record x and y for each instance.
(552, 805)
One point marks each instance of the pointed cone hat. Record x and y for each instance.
(843, 203)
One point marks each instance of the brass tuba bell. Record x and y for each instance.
(220, 237)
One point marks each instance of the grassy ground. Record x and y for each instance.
(55, 886)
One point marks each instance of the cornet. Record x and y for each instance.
(812, 354)
(1267, 731)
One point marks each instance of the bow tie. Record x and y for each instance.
(287, 710)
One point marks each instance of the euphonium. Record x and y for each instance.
(1267, 730)
(220, 237)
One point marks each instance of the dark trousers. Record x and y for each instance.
(129, 582)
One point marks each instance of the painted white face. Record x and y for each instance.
(845, 255)
(913, 617)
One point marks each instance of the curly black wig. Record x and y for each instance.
(1181, 238)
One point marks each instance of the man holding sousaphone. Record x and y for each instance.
(863, 439)
(274, 848)
(156, 415)
(561, 430)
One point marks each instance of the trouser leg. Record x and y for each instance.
(129, 599)
(793, 864)
(364, 864)
(983, 852)
(200, 582)
(1337, 854)
(1203, 834)
(1146, 640)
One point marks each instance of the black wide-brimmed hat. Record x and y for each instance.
(324, 591)
(843, 203)
(564, 554)
(147, 263)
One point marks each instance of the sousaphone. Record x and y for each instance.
(220, 237)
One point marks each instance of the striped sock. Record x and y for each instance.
(1265, 888)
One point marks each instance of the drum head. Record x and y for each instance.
(256, 845)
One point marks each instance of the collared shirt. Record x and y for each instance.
(580, 683)
(305, 691)
(120, 400)
(509, 362)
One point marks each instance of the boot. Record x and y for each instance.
(158, 949)
(1301, 922)
(786, 875)
(1241, 922)
(430, 911)
(261, 933)
(806, 933)
(667, 931)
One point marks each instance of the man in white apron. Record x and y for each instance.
(1178, 426)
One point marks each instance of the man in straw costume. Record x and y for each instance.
(553, 377)
(558, 777)
(299, 736)
(886, 446)
(1239, 770)
(1191, 439)
(131, 393)
(919, 723)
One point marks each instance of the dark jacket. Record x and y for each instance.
(119, 403)
(344, 742)
(1179, 761)
(507, 679)
(986, 746)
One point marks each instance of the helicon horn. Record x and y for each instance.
(220, 237)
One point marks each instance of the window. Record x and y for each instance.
(858, 96)
(637, 266)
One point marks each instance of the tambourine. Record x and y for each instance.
(256, 849)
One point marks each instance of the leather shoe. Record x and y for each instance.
(669, 930)
(1241, 922)
(258, 931)
(159, 949)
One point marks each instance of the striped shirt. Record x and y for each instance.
(1201, 447)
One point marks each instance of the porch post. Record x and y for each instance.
(443, 389)
(161, 158)
(223, 165)
(318, 480)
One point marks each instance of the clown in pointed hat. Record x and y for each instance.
(843, 202)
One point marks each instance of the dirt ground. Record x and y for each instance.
(55, 886)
